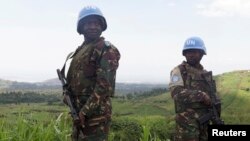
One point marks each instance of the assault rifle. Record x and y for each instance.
(213, 114)
(69, 100)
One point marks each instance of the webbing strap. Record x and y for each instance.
(183, 71)
(70, 55)
(103, 49)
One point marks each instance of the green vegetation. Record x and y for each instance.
(35, 122)
(27, 97)
(145, 116)
(233, 88)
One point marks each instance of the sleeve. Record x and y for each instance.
(179, 92)
(105, 78)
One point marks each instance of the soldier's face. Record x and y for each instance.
(91, 28)
(193, 56)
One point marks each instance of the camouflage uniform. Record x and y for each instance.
(188, 88)
(91, 79)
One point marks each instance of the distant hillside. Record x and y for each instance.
(55, 84)
(233, 89)
(4, 83)
(123, 88)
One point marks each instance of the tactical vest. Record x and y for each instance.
(193, 80)
(82, 72)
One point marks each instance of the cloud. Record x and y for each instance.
(225, 8)
(72, 15)
(171, 4)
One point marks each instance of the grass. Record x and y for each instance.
(25, 129)
(152, 118)
(143, 107)
(235, 97)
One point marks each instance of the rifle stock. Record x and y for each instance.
(213, 114)
(210, 116)
(70, 102)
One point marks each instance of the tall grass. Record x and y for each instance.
(24, 129)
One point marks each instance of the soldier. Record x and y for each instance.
(191, 93)
(91, 77)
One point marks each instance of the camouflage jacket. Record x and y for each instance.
(187, 86)
(92, 72)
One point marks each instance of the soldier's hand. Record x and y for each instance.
(206, 99)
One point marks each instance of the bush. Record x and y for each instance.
(162, 129)
(125, 129)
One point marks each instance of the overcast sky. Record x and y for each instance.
(37, 35)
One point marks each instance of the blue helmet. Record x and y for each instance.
(88, 11)
(194, 43)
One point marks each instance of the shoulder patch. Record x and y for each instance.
(107, 43)
(176, 78)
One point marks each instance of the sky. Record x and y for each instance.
(37, 35)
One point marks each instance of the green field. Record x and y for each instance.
(149, 118)
(234, 88)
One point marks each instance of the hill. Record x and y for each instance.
(232, 87)
(150, 114)
(4, 83)
(55, 85)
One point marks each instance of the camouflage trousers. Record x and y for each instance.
(92, 133)
(188, 128)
